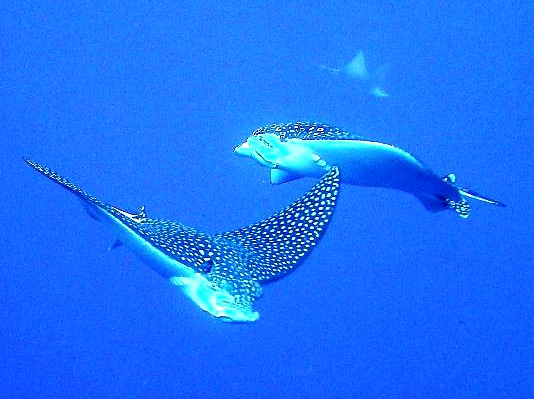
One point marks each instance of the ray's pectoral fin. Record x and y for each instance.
(278, 244)
(93, 206)
(247, 258)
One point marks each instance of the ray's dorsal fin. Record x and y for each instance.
(279, 243)
(135, 217)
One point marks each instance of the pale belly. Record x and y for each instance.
(373, 164)
(194, 285)
(154, 258)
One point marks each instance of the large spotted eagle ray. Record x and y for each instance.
(223, 273)
(295, 150)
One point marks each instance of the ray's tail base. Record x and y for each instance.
(462, 207)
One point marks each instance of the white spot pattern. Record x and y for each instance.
(237, 261)
(277, 244)
(306, 131)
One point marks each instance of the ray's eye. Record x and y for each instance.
(265, 142)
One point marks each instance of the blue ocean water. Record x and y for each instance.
(142, 103)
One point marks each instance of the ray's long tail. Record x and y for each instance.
(462, 207)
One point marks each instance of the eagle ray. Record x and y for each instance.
(224, 273)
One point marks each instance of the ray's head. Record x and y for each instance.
(283, 146)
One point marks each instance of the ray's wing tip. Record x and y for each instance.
(32, 163)
(37, 166)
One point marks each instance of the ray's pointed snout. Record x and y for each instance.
(243, 149)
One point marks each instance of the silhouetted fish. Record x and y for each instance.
(356, 70)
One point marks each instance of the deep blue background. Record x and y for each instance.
(142, 103)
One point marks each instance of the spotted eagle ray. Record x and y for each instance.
(223, 273)
(356, 70)
(295, 150)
